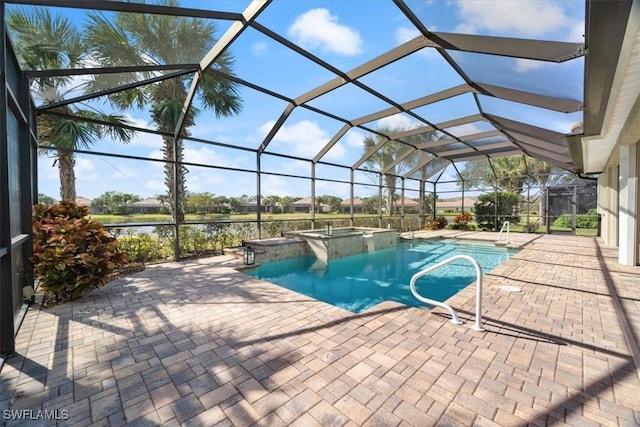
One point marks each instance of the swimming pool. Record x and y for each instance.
(359, 282)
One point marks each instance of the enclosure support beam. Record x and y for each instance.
(547, 217)
(574, 209)
(422, 207)
(380, 201)
(433, 201)
(351, 195)
(258, 195)
(628, 209)
(313, 195)
(529, 207)
(402, 205)
(7, 341)
(462, 200)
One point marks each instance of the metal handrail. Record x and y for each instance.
(501, 229)
(454, 316)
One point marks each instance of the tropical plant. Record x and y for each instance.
(152, 39)
(437, 223)
(45, 41)
(462, 221)
(71, 253)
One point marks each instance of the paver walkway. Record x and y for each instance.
(199, 343)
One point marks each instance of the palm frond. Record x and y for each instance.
(113, 130)
(166, 114)
(110, 43)
(116, 131)
(46, 41)
(219, 94)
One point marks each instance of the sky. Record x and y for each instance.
(345, 34)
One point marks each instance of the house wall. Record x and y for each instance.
(619, 204)
(628, 205)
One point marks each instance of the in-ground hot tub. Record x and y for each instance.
(344, 241)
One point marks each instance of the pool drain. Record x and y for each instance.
(510, 288)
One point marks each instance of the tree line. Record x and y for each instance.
(119, 203)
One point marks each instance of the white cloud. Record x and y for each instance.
(138, 122)
(272, 184)
(397, 122)
(156, 186)
(465, 129)
(353, 139)
(317, 28)
(524, 65)
(259, 48)
(521, 18)
(577, 33)
(144, 139)
(86, 169)
(124, 173)
(156, 154)
(304, 139)
(209, 129)
(203, 156)
(46, 169)
(48, 178)
(404, 34)
(332, 188)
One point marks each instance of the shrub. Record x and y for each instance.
(272, 229)
(71, 253)
(531, 227)
(490, 215)
(462, 220)
(143, 248)
(437, 223)
(588, 220)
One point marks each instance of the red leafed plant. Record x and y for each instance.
(437, 223)
(462, 221)
(71, 253)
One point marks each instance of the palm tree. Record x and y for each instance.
(381, 159)
(45, 41)
(151, 39)
(387, 155)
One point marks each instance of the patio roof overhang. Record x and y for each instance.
(612, 84)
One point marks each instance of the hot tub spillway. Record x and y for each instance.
(344, 241)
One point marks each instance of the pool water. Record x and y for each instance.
(359, 282)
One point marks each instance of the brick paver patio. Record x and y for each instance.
(199, 343)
